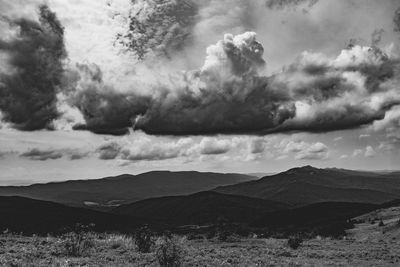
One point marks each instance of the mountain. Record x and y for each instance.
(328, 218)
(307, 185)
(112, 191)
(200, 208)
(31, 216)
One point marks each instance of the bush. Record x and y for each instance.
(294, 242)
(169, 251)
(119, 241)
(79, 241)
(381, 223)
(77, 244)
(144, 240)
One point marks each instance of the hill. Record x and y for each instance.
(200, 208)
(111, 191)
(31, 216)
(308, 185)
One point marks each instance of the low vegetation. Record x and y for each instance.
(144, 239)
(170, 250)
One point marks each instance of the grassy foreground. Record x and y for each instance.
(119, 250)
(374, 241)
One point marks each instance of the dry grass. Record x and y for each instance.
(366, 245)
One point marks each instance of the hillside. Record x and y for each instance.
(31, 216)
(112, 191)
(200, 208)
(307, 185)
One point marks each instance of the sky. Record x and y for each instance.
(90, 89)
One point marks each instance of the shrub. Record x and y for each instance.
(79, 241)
(381, 223)
(119, 241)
(144, 240)
(77, 244)
(169, 251)
(294, 242)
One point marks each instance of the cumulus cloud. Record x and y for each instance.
(147, 149)
(304, 150)
(357, 152)
(212, 146)
(35, 53)
(369, 152)
(229, 94)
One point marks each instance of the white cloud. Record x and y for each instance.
(369, 152)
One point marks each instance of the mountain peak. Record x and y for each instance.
(305, 169)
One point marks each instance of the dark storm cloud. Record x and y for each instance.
(281, 4)
(159, 26)
(105, 110)
(227, 95)
(35, 55)
(42, 155)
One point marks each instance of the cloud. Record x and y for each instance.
(369, 152)
(376, 36)
(52, 153)
(144, 148)
(42, 155)
(303, 150)
(257, 145)
(316, 151)
(105, 109)
(159, 27)
(35, 53)
(357, 152)
(314, 94)
(396, 20)
(337, 139)
(212, 146)
(281, 4)
(4, 154)
(109, 151)
(229, 94)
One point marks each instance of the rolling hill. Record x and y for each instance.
(200, 208)
(308, 185)
(29, 216)
(111, 191)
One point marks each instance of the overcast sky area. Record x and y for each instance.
(90, 89)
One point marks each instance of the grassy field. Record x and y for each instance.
(368, 244)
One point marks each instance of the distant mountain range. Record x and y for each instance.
(31, 216)
(307, 185)
(304, 198)
(112, 191)
(200, 208)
